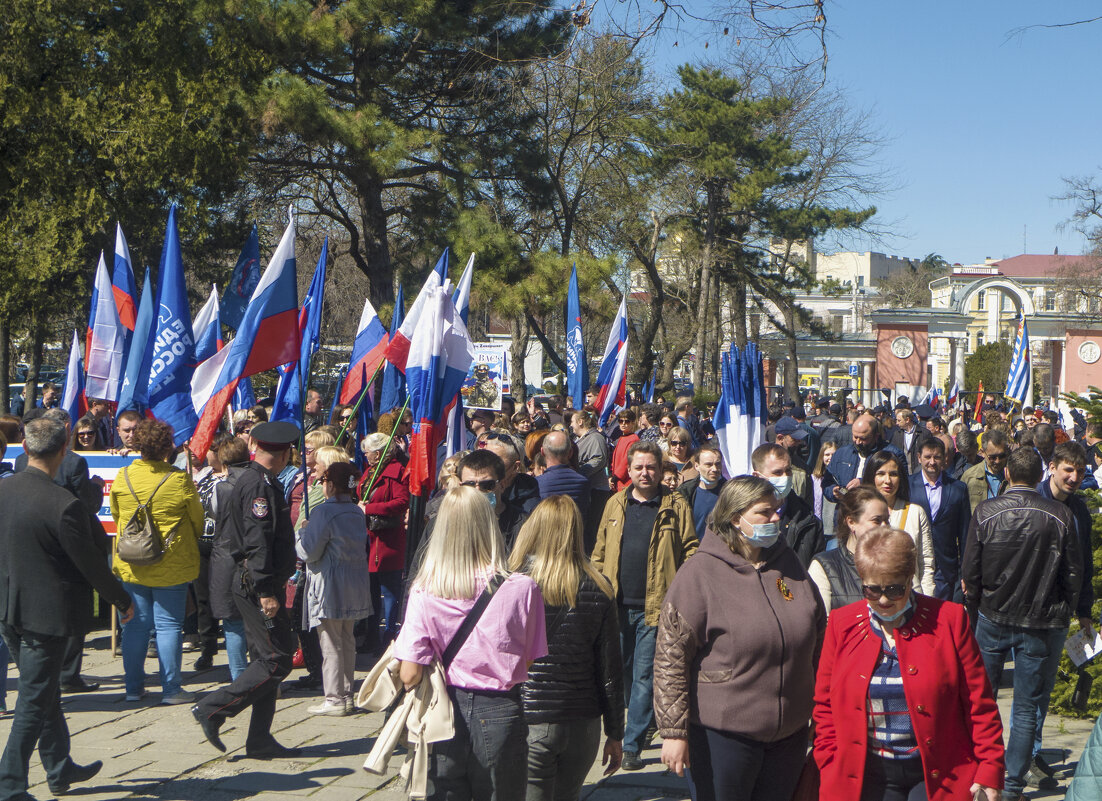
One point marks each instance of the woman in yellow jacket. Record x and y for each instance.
(159, 591)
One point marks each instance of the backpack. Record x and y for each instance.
(139, 542)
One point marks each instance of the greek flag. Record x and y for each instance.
(1020, 378)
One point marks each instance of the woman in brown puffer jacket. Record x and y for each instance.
(738, 642)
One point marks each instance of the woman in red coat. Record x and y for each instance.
(903, 708)
(626, 421)
(385, 494)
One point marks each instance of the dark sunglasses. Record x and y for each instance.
(893, 592)
(486, 485)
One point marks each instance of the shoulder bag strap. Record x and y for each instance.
(470, 622)
(903, 520)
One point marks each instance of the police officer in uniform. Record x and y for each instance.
(261, 540)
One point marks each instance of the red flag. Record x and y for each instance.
(979, 403)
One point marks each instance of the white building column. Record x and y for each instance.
(994, 300)
(866, 383)
(824, 377)
(957, 347)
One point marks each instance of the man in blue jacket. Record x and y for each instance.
(946, 504)
(560, 478)
(848, 463)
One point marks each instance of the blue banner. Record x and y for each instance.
(289, 394)
(172, 349)
(135, 385)
(577, 366)
(246, 275)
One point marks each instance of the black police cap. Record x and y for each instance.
(279, 432)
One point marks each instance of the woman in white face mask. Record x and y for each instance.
(739, 634)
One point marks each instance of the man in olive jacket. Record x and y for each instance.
(46, 554)
(646, 534)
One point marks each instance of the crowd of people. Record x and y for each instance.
(833, 624)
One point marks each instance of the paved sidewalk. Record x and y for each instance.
(157, 752)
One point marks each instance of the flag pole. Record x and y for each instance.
(378, 467)
(302, 393)
(359, 401)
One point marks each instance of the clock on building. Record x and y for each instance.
(902, 347)
(1089, 352)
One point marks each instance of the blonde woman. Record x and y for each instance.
(580, 681)
(885, 471)
(465, 558)
(316, 439)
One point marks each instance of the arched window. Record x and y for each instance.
(979, 338)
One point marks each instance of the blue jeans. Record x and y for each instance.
(1031, 650)
(237, 651)
(1050, 669)
(386, 591)
(637, 642)
(487, 759)
(162, 609)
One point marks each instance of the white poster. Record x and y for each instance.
(485, 380)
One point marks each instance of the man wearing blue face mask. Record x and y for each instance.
(801, 529)
(702, 492)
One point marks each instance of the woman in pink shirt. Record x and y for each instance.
(487, 758)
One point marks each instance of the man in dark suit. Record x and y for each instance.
(73, 475)
(46, 553)
(908, 437)
(945, 501)
(848, 464)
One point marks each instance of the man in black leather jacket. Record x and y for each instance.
(1021, 569)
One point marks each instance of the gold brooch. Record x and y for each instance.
(785, 592)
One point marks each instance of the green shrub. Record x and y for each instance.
(1066, 678)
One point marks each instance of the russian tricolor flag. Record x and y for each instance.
(954, 395)
(368, 351)
(72, 396)
(612, 377)
(397, 352)
(106, 341)
(123, 287)
(267, 337)
(440, 355)
(207, 328)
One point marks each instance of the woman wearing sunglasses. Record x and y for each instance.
(86, 435)
(903, 708)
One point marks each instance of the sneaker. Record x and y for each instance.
(337, 710)
(135, 696)
(631, 761)
(151, 651)
(181, 697)
(189, 647)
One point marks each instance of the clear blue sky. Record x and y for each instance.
(982, 123)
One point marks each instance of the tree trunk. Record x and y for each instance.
(5, 365)
(517, 351)
(792, 366)
(704, 305)
(714, 336)
(370, 248)
(30, 389)
(738, 312)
